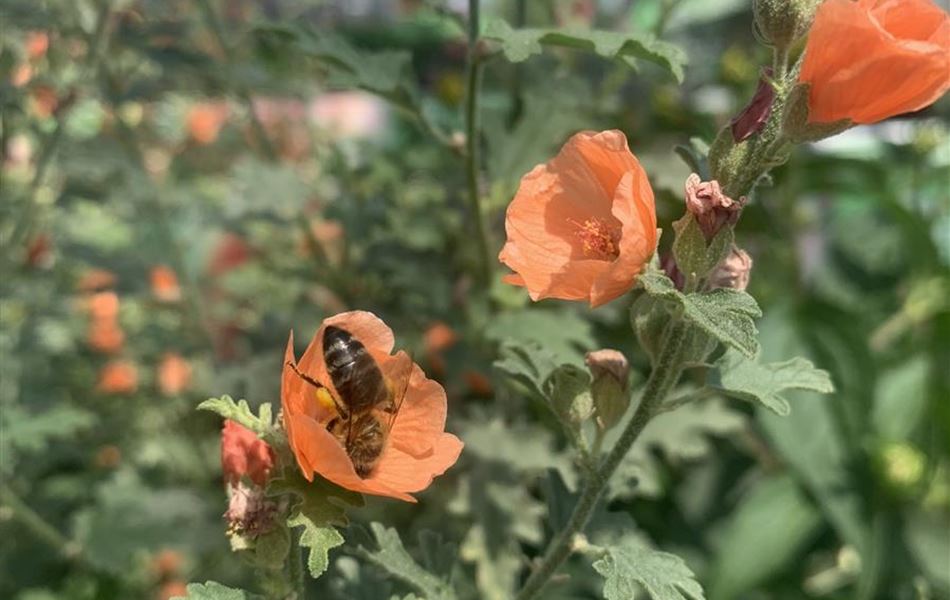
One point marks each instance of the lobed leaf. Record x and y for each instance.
(748, 380)
(211, 590)
(240, 412)
(319, 539)
(631, 567)
(392, 557)
(520, 44)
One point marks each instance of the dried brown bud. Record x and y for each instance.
(755, 115)
(733, 271)
(250, 514)
(712, 208)
(610, 370)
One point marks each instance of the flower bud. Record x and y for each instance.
(610, 371)
(733, 271)
(756, 114)
(902, 467)
(250, 513)
(571, 394)
(712, 208)
(781, 23)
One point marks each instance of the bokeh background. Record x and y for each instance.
(184, 182)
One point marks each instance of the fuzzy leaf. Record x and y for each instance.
(748, 380)
(391, 556)
(631, 567)
(321, 506)
(211, 590)
(528, 363)
(241, 413)
(694, 257)
(520, 44)
(725, 314)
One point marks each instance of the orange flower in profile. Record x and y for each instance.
(416, 449)
(437, 338)
(243, 453)
(118, 377)
(205, 120)
(165, 286)
(872, 59)
(583, 225)
(174, 374)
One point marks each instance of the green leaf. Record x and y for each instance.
(241, 413)
(900, 399)
(32, 432)
(211, 590)
(564, 334)
(694, 257)
(379, 72)
(631, 567)
(725, 314)
(740, 563)
(319, 539)
(393, 558)
(748, 380)
(270, 550)
(520, 44)
(320, 507)
(528, 362)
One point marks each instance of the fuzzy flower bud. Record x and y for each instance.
(250, 513)
(756, 114)
(712, 208)
(733, 271)
(782, 22)
(610, 371)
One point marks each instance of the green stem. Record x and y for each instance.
(668, 368)
(295, 566)
(474, 76)
(33, 521)
(217, 30)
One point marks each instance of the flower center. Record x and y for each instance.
(599, 240)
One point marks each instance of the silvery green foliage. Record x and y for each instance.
(631, 568)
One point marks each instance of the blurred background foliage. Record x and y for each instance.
(184, 182)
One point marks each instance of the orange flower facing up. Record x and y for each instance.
(868, 60)
(244, 454)
(165, 286)
(118, 377)
(414, 446)
(174, 374)
(583, 225)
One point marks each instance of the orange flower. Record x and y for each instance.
(37, 43)
(873, 59)
(417, 448)
(103, 306)
(105, 336)
(583, 225)
(95, 279)
(438, 337)
(243, 453)
(174, 374)
(118, 377)
(205, 120)
(165, 286)
(172, 589)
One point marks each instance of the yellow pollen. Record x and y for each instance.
(324, 399)
(600, 240)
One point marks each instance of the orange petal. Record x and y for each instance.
(421, 417)
(404, 472)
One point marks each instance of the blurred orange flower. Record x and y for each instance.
(174, 374)
(583, 225)
(95, 279)
(243, 453)
(437, 338)
(230, 252)
(165, 286)
(872, 59)
(44, 101)
(417, 449)
(118, 377)
(105, 336)
(166, 563)
(205, 120)
(478, 383)
(103, 306)
(172, 589)
(37, 43)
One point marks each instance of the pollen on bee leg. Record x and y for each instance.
(599, 240)
(325, 399)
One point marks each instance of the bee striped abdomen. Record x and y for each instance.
(355, 375)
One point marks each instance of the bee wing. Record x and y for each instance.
(397, 372)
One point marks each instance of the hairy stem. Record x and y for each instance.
(668, 368)
(474, 77)
(295, 560)
(37, 525)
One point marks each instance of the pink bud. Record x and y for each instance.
(733, 271)
(754, 116)
(710, 205)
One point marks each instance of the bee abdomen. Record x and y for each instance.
(355, 375)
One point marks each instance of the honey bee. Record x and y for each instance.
(367, 400)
